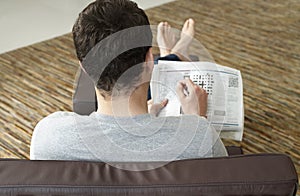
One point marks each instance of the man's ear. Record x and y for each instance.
(149, 60)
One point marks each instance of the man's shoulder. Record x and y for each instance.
(58, 121)
(54, 134)
(61, 114)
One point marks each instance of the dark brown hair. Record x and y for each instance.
(101, 19)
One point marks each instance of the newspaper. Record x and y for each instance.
(223, 85)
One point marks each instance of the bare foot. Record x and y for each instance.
(165, 38)
(186, 37)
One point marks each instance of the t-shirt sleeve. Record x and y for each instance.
(41, 141)
(219, 149)
(51, 137)
(213, 144)
(206, 142)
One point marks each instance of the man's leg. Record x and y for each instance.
(170, 50)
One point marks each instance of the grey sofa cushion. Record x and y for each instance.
(84, 98)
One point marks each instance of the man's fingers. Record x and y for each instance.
(159, 106)
(164, 103)
(156, 108)
(150, 102)
(189, 85)
(180, 90)
(202, 91)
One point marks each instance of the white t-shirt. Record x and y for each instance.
(97, 137)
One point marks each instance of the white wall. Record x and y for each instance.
(24, 22)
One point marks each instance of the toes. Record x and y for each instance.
(166, 26)
(188, 28)
(191, 22)
(169, 28)
(163, 26)
(188, 23)
(160, 25)
(185, 25)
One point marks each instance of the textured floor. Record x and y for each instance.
(260, 38)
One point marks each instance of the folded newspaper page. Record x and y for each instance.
(224, 87)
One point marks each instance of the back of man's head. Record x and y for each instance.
(104, 18)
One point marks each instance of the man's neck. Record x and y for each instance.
(135, 104)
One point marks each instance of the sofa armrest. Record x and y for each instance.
(234, 150)
(261, 174)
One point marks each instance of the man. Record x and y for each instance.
(122, 129)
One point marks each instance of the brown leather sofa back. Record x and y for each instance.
(262, 174)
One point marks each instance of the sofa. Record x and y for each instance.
(237, 174)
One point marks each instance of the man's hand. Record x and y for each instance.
(192, 97)
(156, 108)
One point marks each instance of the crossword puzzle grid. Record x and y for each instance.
(205, 81)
